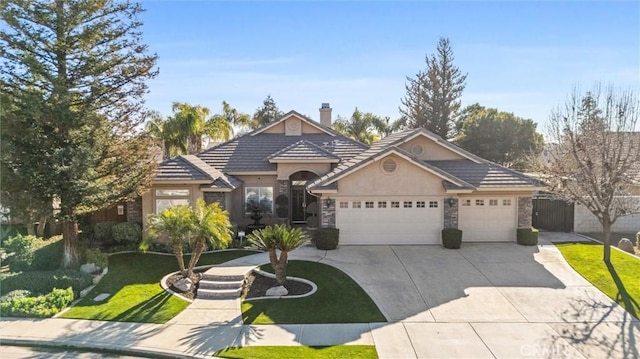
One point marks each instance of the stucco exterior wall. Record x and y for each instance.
(149, 203)
(408, 180)
(431, 150)
(236, 212)
(585, 221)
(285, 170)
(279, 128)
(306, 128)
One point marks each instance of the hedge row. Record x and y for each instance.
(43, 282)
(43, 306)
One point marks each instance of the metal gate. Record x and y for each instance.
(552, 214)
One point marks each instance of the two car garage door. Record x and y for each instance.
(385, 221)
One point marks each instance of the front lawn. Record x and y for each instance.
(134, 284)
(338, 300)
(334, 352)
(618, 280)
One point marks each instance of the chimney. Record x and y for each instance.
(325, 114)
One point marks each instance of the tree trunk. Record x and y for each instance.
(281, 268)
(70, 237)
(177, 250)
(41, 226)
(31, 229)
(606, 229)
(195, 256)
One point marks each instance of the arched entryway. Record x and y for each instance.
(304, 210)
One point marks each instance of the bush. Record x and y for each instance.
(94, 255)
(43, 282)
(48, 256)
(451, 238)
(126, 233)
(41, 307)
(527, 236)
(20, 293)
(8, 230)
(102, 231)
(23, 248)
(327, 238)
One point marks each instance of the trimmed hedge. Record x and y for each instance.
(126, 233)
(43, 282)
(102, 231)
(451, 238)
(43, 306)
(527, 236)
(327, 238)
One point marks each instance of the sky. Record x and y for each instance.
(520, 57)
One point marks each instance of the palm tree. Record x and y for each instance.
(175, 224)
(209, 223)
(188, 124)
(278, 237)
(231, 117)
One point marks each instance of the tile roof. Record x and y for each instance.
(485, 174)
(302, 150)
(251, 153)
(179, 169)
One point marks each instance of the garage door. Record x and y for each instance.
(389, 221)
(486, 219)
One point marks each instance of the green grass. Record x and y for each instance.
(334, 352)
(338, 300)
(134, 284)
(618, 280)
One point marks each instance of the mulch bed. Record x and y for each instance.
(257, 286)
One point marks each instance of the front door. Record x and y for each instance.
(298, 204)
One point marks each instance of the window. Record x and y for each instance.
(408, 204)
(506, 202)
(493, 202)
(166, 198)
(344, 204)
(258, 197)
(433, 204)
(466, 202)
(420, 204)
(395, 204)
(368, 204)
(382, 204)
(479, 202)
(357, 204)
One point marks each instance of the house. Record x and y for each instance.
(402, 190)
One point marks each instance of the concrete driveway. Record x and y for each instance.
(485, 300)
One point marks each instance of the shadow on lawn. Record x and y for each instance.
(210, 338)
(623, 296)
(144, 311)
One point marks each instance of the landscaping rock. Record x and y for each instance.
(626, 245)
(277, 291)
(183, 284)
(88, 268)
(101, 297)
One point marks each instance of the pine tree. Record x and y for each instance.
(266, 113)
(73, 77)
(432, 98)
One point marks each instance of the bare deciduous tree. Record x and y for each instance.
(595, 156)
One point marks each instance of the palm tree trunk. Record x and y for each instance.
(177, 250)
(195, 256)
(281, 268)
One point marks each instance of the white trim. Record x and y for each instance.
(287, 116)
(452, 191)
(223, 190)
(443, 143)
(323, 191)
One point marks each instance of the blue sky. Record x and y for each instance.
(521, 57)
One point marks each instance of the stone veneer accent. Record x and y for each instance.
(525, 211)
(328, 217)
(283, 187)
(451, 213)
(210, 197)
(134, 210)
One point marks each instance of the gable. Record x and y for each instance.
(407, 179)
(427, 149)
(293, 124)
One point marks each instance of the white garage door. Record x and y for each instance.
(486, 219)
(389, 220)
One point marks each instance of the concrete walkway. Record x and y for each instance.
(482, 301)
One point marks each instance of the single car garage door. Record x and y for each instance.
(389, 220)
(487, 219)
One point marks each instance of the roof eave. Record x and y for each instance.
(319, 160)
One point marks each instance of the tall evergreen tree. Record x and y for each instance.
(266, 113)
(432, 100)
(73, 77)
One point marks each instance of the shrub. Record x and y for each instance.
(451, 238)
(8, 230)
(327, 238)
(42, 282)
(43, 306)
(527, 236)
(24, 248)
(20, 293)
(126, 233)
(94, 255)
(102, 231)
(48, 255)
